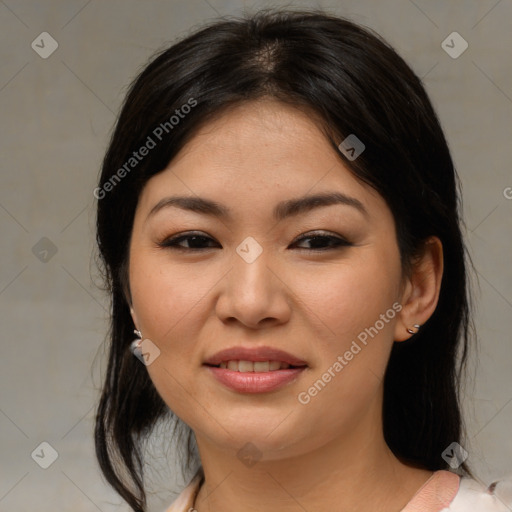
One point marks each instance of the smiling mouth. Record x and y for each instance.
(254, 366)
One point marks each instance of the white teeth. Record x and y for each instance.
(245, 366)
(262, 366)
(250, 366)
(274, 365)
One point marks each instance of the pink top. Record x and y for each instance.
(435, 494)
(442, 492)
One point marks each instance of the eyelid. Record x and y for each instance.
(321, 233)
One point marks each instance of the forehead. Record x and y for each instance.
(264, 128)
(254, 154)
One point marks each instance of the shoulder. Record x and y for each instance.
(472, 496)
(185, 501)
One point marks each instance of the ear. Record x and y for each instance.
(420, 293)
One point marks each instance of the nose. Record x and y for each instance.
(255, 294)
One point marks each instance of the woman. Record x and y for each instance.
(278, 221)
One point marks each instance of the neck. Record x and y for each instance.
(356, 472)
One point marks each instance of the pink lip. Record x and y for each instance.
(254, 354)
(255, 382)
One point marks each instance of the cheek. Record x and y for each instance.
(168, 309)
(353, 306)
(165, 296)
(349, 298)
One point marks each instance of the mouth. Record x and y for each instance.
(255, 369)
(244, 366)
(260, 359)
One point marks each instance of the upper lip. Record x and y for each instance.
(255, 354)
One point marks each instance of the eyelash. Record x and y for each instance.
(172, 243)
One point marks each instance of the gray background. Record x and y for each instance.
(57, 114)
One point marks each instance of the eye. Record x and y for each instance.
(319, 241)
(195, 242)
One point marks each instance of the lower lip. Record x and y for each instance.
(255, 382)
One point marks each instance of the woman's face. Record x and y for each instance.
(256, 279)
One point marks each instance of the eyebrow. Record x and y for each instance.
(284, 209)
